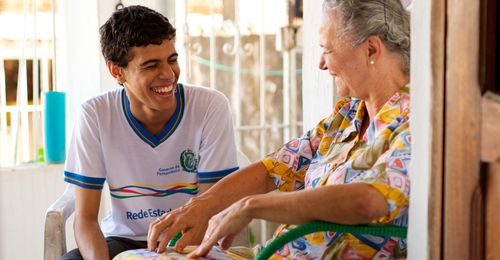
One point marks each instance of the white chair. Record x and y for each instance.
(59, 212)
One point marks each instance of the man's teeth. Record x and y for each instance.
(163, 89)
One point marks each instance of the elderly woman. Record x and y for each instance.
(352, 168)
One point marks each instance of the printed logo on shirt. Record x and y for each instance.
(168, 170)
(189, 161)
(146, 213)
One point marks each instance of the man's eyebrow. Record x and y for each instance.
(154, 61)
(173, 55)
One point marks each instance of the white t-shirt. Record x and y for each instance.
(150, 175)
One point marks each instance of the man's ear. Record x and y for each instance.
(374, 48)
(116, 71)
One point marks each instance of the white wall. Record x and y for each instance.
(317, 85)
(78, 55)
(421, 118)
(25, 195)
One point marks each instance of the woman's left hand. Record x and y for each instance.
(225, 226)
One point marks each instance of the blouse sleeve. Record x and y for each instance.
(389, 174)
(288, 165)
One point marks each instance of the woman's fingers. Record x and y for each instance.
(208, 242)
(222, 226)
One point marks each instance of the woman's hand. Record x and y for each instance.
(225, 226)
(190, 219)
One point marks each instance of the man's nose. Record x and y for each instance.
(167, 72)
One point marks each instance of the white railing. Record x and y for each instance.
(20, 123)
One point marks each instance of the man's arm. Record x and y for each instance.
(193, 217)
(89, 237)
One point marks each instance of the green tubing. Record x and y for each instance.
(302, 230)
(172, 241)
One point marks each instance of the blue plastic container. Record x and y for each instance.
(55, 126)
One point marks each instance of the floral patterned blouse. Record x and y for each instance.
(334, 153)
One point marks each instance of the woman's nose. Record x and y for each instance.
(322, 63)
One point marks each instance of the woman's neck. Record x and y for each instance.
(384, 88)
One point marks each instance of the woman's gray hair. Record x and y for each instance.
(386, 19)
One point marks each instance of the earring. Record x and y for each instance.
(372, 62)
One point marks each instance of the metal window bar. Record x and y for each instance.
(213, 43)
(21, 100)
(3, 97)
(236, 98)
(262, 104)
(36, 85)
(262, 82)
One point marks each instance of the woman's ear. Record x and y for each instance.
(116, 71)
(374, 48)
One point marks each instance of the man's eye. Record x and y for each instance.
(172, 61)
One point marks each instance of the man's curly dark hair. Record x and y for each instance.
(132, 26)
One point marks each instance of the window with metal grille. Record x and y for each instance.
(25, 71)
(250, 51)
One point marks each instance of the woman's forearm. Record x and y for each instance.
(247, 181)
(357, 203)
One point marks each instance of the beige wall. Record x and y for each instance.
(25, 194)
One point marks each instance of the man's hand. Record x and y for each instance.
(190, 219)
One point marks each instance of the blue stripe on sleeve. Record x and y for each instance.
(84, 181)
(213, 177)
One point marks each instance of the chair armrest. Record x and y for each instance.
(317, 226)
(55, 220)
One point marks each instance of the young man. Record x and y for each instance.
(157, 143)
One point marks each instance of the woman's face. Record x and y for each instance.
(347, 64)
